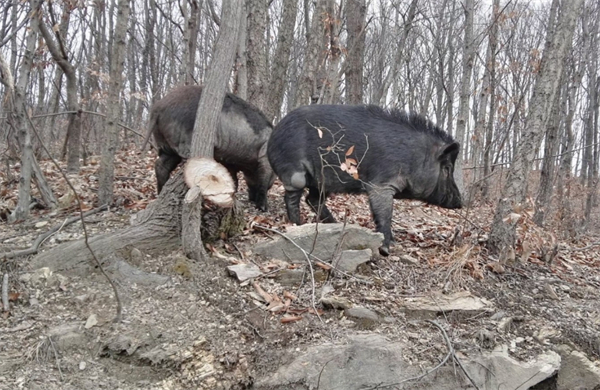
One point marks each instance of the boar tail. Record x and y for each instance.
(152, 125)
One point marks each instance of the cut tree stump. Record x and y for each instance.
(155, 229)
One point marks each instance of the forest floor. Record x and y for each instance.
(213, 332)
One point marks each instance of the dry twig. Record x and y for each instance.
(5, 304)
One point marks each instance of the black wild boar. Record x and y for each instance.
(355, 149)
(241, 139)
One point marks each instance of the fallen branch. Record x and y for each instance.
(34, 248)
(5, 304)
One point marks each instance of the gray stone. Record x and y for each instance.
(244, 272)
(372, 361)
(68, 336)
(429, 306)
(290, 277)
(509, 373)
(328, 240)
(295, 276)
(125, 271)
(334, 302)
(350, 260)
(409, 260)
(364, 318)
(576, 370)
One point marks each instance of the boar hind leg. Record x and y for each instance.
(292, 203)
(316, 201)
(163, 167)
(382, 204)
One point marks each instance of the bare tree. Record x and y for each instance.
(209, 108)
(558, 41)
(59, 52)
(356, 11)
(257, 52)
(465, 84)
(315, 48)
(281, 59)
(110, 144)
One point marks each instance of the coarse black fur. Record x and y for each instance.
(241, 139)
(396, 155)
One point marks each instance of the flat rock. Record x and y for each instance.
(68, 336)
(334, 302)
(125, 271)
(372, 361)
(328, 239)
(243, 272)
(509, 373)
(290, 277)
(462, 301)
(350, 259)
(576, 371)
(364, 318)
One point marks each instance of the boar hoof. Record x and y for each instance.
(384, 250)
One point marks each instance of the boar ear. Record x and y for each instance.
(450, 152)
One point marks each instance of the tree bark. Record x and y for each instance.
(465, 88)
(111, 136)
(15, 96)
(209, 108)
(543, 198)
(58, 52)
(514, 192)
(307, 91)
(356, 11)
(279, 68)
(257, 53)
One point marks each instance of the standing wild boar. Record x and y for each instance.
(241, 139)
(355, 149)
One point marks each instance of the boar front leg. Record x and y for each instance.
(316, 201)
(382, 205)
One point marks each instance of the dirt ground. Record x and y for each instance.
(213, 332)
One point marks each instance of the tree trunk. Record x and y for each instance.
(356, 11)
(209, 108)
(307, 91)
(543, 199)
(514, 192)
(279, 68)
(111, 138)
(57, 50)
(465, 88)
(257, 53)
(489, 132)
(17, 119)
(240, 87)
(190, 38)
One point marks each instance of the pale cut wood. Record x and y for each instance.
(206, 177)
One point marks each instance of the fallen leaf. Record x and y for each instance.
(323, 266)
(289, 295)
(266, 296)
